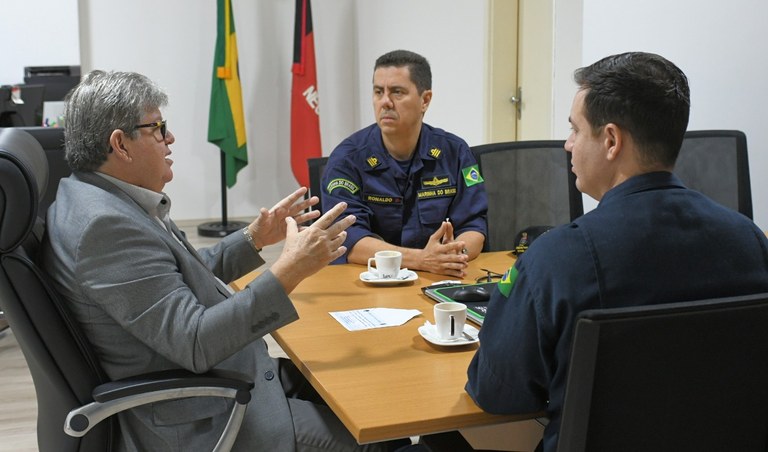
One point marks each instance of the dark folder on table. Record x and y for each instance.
(475, 309)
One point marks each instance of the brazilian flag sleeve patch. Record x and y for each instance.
(472, 175)
(506, 283)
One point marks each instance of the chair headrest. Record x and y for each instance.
(23, 180)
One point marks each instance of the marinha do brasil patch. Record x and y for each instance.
(342, 183)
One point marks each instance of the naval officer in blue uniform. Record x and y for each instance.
(650, 240)
(412, 187)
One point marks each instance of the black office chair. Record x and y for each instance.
(529, 184)
(52, 141)
(316, 168)
(715, 163)
(672, 377)
(73, 393)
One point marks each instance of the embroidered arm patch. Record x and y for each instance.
(506, 283)
(342, 183)
(472, 175)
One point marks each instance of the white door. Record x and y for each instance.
(520, 62)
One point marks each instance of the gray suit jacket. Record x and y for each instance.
(147, 303)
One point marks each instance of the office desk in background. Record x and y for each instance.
(383, 383)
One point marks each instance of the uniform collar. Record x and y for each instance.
(378, 157)
(643, 182)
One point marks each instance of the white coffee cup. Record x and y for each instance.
(450, 319)
(387, 264)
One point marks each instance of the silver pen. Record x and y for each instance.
(463, 250)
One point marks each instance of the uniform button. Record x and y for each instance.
(269, 375)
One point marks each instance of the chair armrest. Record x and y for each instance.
(173, 379)
(116, 396)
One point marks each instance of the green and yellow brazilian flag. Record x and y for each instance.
(226, 121)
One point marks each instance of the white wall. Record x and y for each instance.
(567, 57)
(721, 46)
(172, 42)
(174, 46)
(32, 38)
(451, 35)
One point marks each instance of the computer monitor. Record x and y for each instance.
(28, 112)
(58, 80)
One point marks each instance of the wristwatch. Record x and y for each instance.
(249, 238)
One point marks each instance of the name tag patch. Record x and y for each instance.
(382, 199)
(428, 193)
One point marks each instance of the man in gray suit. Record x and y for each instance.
(148, 301)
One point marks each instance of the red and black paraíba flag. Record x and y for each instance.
(305, 119)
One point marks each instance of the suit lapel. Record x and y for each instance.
(183, 238)
(106, 185)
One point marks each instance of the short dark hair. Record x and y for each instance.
(418, 66)
(644, 94)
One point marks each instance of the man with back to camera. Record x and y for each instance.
(628, 120)
(411, 186)
(147, 301)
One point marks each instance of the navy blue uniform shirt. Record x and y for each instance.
(649, 241)
(403, 203)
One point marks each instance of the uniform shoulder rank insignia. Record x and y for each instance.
(472, 175)
(435, 153)
(373, 161)
(507, 281)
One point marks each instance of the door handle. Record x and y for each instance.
(517, 101)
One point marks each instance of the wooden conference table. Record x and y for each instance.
(383, 383)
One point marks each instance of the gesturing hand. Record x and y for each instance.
(308, 250)
(270, 226)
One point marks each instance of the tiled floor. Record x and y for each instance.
(18, 409)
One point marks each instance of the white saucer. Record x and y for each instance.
(403, 276)
(429, 333)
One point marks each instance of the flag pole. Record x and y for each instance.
(226, 121)
(224, 227)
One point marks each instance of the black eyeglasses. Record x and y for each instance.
(160, 124)
(490, 276)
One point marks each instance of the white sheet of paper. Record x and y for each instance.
(365, 319)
